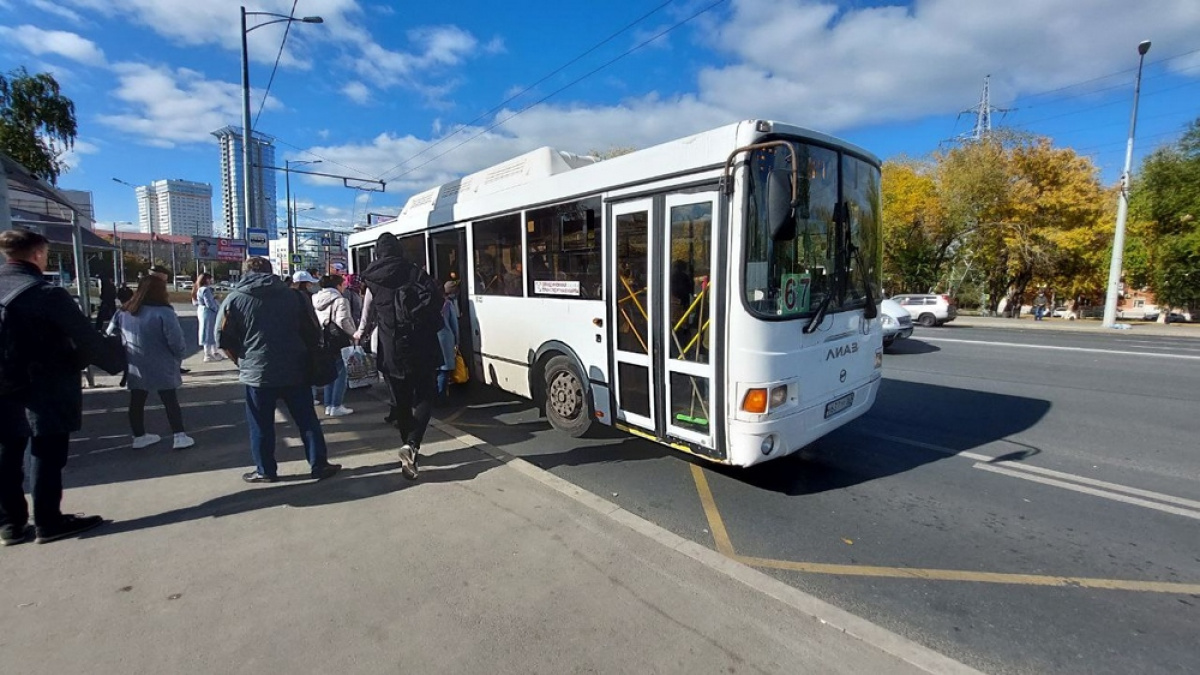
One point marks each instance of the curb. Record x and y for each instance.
(839, 619)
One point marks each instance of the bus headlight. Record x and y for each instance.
(768, 445)
(778, 396)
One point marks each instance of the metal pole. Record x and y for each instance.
(81, 274)
(174, 269)
(287, 204)
(1118, 252)
(247, 181)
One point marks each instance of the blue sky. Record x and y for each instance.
(379, 82)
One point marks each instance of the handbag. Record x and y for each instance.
(335, 337)
(323, 361)
(460, 374)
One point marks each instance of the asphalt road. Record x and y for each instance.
(1023, 501)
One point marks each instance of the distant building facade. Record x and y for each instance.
(175, 207)
(262, 154)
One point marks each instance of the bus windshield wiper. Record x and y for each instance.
(819, 316)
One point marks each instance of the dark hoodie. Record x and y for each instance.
(407, 348)
(260, 323)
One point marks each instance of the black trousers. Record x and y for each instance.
(49, 458)
(412, 405)
(137, 410)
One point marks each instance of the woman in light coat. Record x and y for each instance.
(206, 313)
(333, 308)
(155, 348)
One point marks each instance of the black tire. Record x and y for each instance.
(567, 398)
(927, 320)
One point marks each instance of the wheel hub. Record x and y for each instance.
(566, 395)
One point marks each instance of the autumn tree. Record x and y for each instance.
(1164, 251)
(917, 238)
(37, 123)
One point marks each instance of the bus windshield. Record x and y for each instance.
(835, 249)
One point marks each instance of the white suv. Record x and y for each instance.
(928, 309)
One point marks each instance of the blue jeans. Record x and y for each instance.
(260, 416)
(335, 392)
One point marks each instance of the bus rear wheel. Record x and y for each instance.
(567, 398)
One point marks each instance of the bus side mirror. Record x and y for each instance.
(781, 216)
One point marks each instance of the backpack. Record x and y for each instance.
(14, 376)
(417, 312)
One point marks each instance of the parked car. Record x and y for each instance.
(1172, 317)
(928, 309)
(1062, 313)
(897, 322)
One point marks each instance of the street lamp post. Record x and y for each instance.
(291, 221)
(247, 180)
(1118, 252)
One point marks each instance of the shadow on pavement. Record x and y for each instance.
(348, 485)
(912, 345)
(958, 420)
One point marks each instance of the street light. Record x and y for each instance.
(1118, 252)
(247, 181)
(291, 224)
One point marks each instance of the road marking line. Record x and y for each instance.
(979, 577)
(715, 524)
(189, 404)
(1063, 349)
(1186, 513)
(991, 461)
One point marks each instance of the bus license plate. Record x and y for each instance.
(838, 405)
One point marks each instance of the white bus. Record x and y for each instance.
(717, 293)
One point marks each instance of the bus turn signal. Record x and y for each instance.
(755, 401)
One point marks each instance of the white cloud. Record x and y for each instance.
(169, 107)
(61, 43)
(74, 157)
(55, 9)
(357, 91)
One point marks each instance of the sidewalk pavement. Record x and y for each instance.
(486, 564)
(1080, 326)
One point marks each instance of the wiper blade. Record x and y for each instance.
(819, 316)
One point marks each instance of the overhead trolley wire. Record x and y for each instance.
(287, 29)
(526, 90)
(561, 89)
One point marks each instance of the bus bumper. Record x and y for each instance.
(748, 441)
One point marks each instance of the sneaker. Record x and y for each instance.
(209, 359)
(325, 471)
(328, 411)
(145, 441)
(316, 401)
(183, 441)
(408, 462)
(69, 526)
(256, 477)
(11, 535)
(339, 411)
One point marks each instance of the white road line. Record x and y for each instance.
(1057, 477)
(1186, 513)
(1063, 349)
(189, 404)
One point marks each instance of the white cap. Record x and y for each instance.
(303, 276)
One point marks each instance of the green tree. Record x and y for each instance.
(37, 123)
(1164, 251)
(917, 239)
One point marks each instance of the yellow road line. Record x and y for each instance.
(715, 524)
(979, 577)
(724, 546)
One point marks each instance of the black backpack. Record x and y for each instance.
(418, 311)
(14, 374)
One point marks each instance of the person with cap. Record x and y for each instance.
(448, 337)
(404, 303)
(304, 281)
(262, 327)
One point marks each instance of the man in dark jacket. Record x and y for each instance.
(46, 342)
(264, 327)
(406, 305)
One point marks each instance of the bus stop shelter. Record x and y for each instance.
(63, 228)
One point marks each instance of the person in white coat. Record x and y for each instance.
(333, 309)
(206, 313)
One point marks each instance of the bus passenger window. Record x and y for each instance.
(564, 250)
(497, 249)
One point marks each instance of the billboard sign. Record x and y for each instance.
(222, 250)
(257, 242)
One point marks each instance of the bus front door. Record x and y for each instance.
(631, 298)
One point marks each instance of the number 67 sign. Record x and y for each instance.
(794, 296)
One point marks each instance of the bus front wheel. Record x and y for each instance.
(567, 399)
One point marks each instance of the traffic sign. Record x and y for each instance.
(256, 242)
(324, 240)
(297, 259)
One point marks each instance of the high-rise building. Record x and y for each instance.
(179, 207)
(262, 154)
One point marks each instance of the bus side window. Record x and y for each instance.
(497, 249)
(564, 250)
